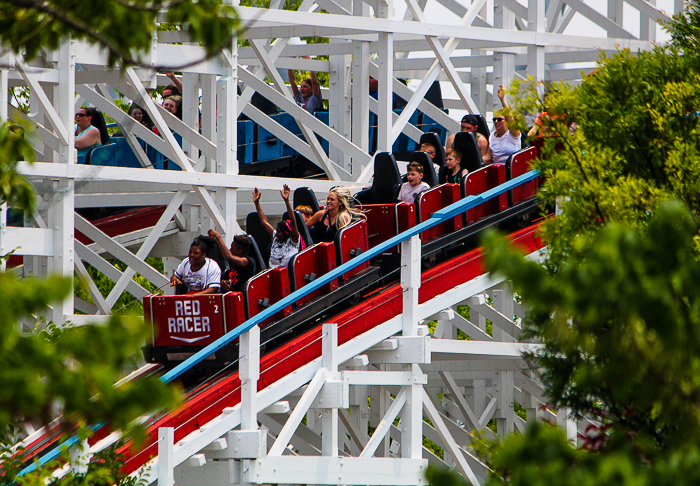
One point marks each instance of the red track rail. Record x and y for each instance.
(202, 407)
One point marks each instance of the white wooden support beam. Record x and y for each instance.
(336, 470)
(409, 349)
(297, 415)
(535, 53)
(384, 425)
(37, 91)
(173, 149)
(360, 100)
(166, 462)
(410, 283)
(448, 440)
(444, 59)
(386, 77)
(62, 205)
(249, 371)
(147, 246)
(467, 412)
(305, 119)
(330, 415)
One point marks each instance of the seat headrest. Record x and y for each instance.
(423, 159)
(434, 140)
(466, 143)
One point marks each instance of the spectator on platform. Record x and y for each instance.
(415, 184)
(338, 213)
(197, 273)
(308, 94)
(470, 123)
(240, 267)
(286, 241)
(504, 141)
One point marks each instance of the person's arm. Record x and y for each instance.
(176, 81)
(450, 141)
(233, 260)
(506, 109)
(314, 85)
(263, 219)
(88, 139)
(175, 279)
(290, 212)
(314, 219)
(292, 82)
(484, 149)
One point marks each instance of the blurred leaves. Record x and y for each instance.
(70, 371)
(122, 27)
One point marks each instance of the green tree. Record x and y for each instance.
(626, 139)
(122, 27)
(616, 303)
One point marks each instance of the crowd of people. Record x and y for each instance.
(197, 274)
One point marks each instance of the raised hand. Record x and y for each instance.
(285, 192)
(256, 195)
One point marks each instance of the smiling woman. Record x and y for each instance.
(199, 274)
(87, 136)
(503, 141)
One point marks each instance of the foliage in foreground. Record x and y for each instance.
(70, 371)
(627, 139)
(123, 28)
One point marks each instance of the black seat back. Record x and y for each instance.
(483, 128)
(305, 196)
(466, 143)
(386, 177)
(423, 159)
(263, 239)
(256, 257)
(434, 140)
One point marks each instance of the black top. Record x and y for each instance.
(324, 231)
(455, 178)
(238, 276)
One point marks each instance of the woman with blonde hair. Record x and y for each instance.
(337, 214)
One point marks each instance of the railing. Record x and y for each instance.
(439, 216)
(450, 211)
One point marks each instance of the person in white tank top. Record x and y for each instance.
(503, 141)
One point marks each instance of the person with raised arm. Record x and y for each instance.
(308, 94)
(286, 241)
(240, 267)
(505, 139)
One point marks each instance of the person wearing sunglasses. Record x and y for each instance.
(503, 141)
(470, 123)
(87, 136)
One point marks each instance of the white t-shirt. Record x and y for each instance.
(207, 276)
(280, 253)
(503, 147)
(407, 191)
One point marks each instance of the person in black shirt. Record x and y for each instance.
(452, 172)
(240, 267)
